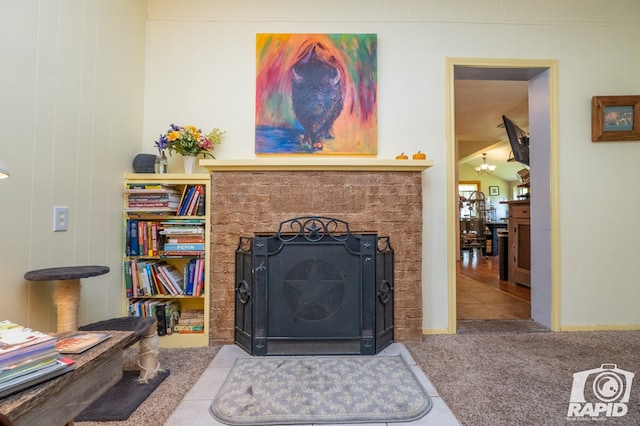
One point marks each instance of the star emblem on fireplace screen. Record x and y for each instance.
(314, 290)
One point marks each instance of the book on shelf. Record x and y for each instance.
(199, 284)
(183, 221)
(149, 186)
(184, 247)
(135, 281)
(182, 230)
(167, 314)
(128, 281)
(148, 195)
(174, 276)
(189, 329)
(194, 277)
(190, 277)
(161, 319)
(133, 248)
(152, 229)
(80, 342)
(191, 321)
(137, 195)
(152, 204)
(172, 314)
(184, 239)
(183, 253)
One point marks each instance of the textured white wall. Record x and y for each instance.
(592, 41)
(71, 111)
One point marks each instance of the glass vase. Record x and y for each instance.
(161, 164)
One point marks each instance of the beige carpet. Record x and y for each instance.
(523, 378)
(486, 379)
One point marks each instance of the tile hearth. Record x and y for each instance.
(193, 410)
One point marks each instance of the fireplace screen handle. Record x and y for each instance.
(243, 292)
(384, 291)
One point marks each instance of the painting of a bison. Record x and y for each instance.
(316, 94)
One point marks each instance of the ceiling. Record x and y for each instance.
(482, 97)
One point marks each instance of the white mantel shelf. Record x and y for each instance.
(314, 163)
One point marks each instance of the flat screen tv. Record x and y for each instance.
(518, 139)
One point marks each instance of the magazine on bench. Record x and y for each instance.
(80, 342)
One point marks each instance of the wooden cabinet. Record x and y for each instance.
(167, 254)
(519, 227)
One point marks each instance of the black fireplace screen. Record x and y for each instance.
(314, 287)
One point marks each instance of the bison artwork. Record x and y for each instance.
(317, 93)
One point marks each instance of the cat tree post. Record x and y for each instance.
(67, 293)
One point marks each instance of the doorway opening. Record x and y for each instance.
(474, 261)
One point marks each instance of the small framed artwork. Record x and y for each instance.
(615, 118)
(494, 190)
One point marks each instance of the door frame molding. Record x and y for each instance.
(452, 173)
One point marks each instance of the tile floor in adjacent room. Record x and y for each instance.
(193, 410)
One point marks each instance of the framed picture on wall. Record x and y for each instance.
(615, 118)
(316, 94)
(494, 190)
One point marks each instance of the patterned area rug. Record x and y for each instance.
(349, 389)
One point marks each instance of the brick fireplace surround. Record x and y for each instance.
(254, 196)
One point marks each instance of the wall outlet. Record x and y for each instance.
(60, 218)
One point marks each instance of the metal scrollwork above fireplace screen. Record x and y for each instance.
(314, 287)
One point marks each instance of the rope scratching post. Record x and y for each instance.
(145, 330)
(66, 297)
(67, 293)
(148, 355)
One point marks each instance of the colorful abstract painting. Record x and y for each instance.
(316, 94)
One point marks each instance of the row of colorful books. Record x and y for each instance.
(157, 277)
(190, 321)
(171, 319)
(192, 201)
(152, 197)
(168, 315)
(178, 237)
(162, 198)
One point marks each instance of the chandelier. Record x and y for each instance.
(485, 168)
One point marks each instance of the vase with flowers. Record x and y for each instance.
(189, 141)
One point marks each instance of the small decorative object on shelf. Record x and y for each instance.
(189, 141)
(419, 156)
(161, 163)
